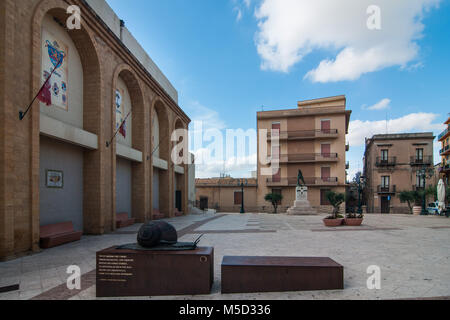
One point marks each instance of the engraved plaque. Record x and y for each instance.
(301, 193)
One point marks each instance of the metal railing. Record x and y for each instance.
(390, 161)
(310, 181)
(443, 134)
(386, 189)
(445, 149)
(426, 160)
(308, 157)
(305, 133)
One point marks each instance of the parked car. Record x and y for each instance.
(433, 208)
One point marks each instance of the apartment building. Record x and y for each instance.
(391, 165)
(312, 138)
(444, 138)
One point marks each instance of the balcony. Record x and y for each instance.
(445, 151)
(417, 188)
(310, 181)
(444, 135)
(347, 165)
(445, 168)
(386, 162)
(347, 147)
(305, 134)
(386, 189)
(426, 160)
(309, 157)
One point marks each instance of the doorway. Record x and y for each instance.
(178, 200)
(385, 205)
(203, 203)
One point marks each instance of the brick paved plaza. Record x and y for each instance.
(413, 253)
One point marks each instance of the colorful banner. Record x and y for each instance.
(53, 51)
(120, 113)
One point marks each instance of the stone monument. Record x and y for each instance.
(301, 203)
(157, 265)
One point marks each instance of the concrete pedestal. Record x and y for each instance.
(301, 204)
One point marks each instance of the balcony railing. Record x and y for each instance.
(444, 134)
(305, 134)
(417, 188)
(444, 150)
(386, 189)
(309, 157)
(426, 160)
(310, 181)
(347, 165)
(390, 161)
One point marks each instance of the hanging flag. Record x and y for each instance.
(123, 129)
(45, 95)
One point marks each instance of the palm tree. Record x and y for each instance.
(409, 197)
(275, 199)
(335, 199)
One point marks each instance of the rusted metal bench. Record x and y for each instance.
(123, 220)
(157, 215)
(278, 274)
(57, 234)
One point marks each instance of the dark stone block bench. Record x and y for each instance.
(123, 220)
(177, 213)
(57, 234)
(133, 273)
(157, 215)
(278, 274)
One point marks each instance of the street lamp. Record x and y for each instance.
(360, 183)
(242, 197)
(424, 173)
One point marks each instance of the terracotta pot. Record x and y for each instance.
(333, 222)
(417, 210)
(353, 221)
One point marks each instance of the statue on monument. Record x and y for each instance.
(301, 204)
(300, 179)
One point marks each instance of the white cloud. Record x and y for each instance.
(381, 105)
(291, 29)
(215, 167)
(210, 118)
(238, 14)
(437, 146)
(414, 122)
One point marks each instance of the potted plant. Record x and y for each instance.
(335, 199)
(353, 219)
(274, 199)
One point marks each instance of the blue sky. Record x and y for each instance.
(229, 58)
